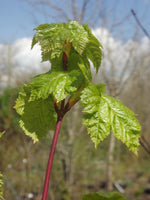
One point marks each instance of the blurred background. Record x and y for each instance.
(123, 28)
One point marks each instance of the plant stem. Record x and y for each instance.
(51, 157)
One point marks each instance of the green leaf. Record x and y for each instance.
(75, 61)
(103, 196)
(93, 49)
(39, 28)
(95, 119)
(105, 114)
(52, 38)
(37, 117)
(23, 97)
(1, 134)
(123, 123)
(59, 84)
(1, 186)
(101, 87)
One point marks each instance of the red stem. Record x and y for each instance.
(65, 60)
(51, 157)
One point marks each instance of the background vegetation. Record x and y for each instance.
(78, 167)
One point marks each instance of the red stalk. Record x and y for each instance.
(60, 113)
(65, 60)
(51, 157)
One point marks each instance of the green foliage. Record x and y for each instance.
(52, 36)
(1, 134)
(8, 116)
(22, 99)
(69, 47)
(8, 96)
(93, 49)
(4, 101)
(38, 119)
(35, 101)
(105, 114)
(104, 196)
(139, 192)
(37, 116)
(75, 61)
(57, 84)
(53, 39)
(1, 186)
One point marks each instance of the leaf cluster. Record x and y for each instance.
(53, 37)
(38, 100)
(70, 47)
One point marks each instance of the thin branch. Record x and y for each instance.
(92, 19)
(146, 142)
(83, 10)
(147, 149)
(126, 66)
(124, 83)
(140, 24)
(118, 23)
(58, 9)
(106, 78)
(75, 10)
(5, 119)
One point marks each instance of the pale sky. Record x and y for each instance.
(18, 18)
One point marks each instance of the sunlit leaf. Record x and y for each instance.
(37, 117)
(52, 38)
(58, 84)
(75, 61)
(105, 114)
(93, 49)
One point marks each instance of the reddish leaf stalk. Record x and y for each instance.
(65, 61)
(60, 113)
(66, 50)
(51, 157)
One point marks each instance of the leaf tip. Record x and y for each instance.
(2, 133)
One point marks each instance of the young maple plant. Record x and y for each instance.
(43, 103)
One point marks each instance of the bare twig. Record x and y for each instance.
(140, 24)
(75, 10)
(62, 13)
(82, 14)
(147, 144)
(144, 145)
